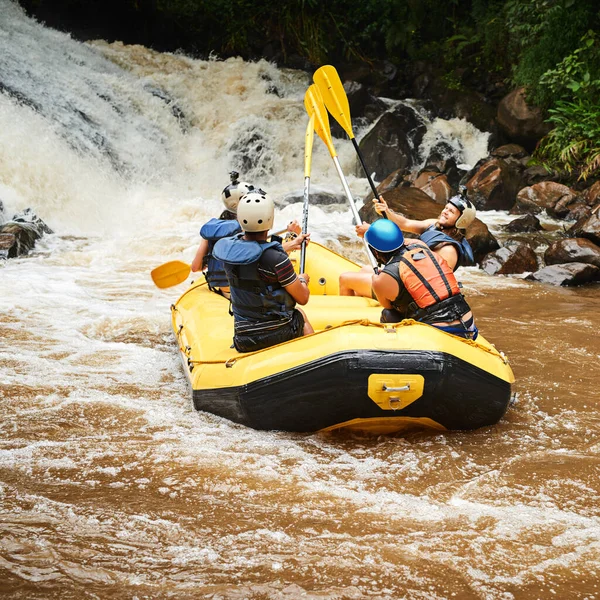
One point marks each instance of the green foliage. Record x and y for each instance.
(574, 143)
(541, 34)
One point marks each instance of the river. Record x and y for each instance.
(112, 486)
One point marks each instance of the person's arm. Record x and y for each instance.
(298, 289)
(279, 263)
(385, 288)
(405, 224)
(200, 254)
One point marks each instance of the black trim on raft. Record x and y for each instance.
(334, 389)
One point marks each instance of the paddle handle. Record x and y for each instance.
(357, 219)
(304, 223)
(364, 166)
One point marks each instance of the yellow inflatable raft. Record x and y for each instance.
(353, 372)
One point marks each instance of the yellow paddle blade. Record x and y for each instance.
(170, 274)
(334, 96)
(308, 145)
(315, 107)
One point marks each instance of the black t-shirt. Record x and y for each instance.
(274, 265)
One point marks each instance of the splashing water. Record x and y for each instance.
(112, 486)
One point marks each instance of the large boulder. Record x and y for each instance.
(481, 239)
(544, 196)
(570, 274)
(409, 201)
(434, 185)
(524, 224)
(494, 185)
(572, 250)
(513, 257)
(393, 143)
(588, 227)
(521, 122)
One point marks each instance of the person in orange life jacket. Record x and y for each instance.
(444, 235)
(416, 283)
(225, 226)
(263, 285)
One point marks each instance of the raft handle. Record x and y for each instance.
(405, 388)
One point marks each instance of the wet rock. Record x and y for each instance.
(510, 151)
(543, 196)
(514, 257)
(525, 224)
(588, 227)
(570, 274)
(434, 185)
(409, 201)
(522, 123)
(573, 250)
(494, 186)
(175, 109)
(536, 174)
(592, 194)
(481, 239)
(19, 235)
(393, 142)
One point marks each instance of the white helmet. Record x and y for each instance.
(256, 211)
(467, 211)
(234, 191)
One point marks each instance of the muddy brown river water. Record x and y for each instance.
(111, 486)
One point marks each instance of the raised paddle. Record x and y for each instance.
(308, 146)
(314, 105)
(336, 101)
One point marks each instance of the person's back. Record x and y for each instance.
(263, 286)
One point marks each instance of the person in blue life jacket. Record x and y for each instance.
(226, 225)
(444, 235)
(416, 283)
(263, 286)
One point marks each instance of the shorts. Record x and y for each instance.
(269, 333)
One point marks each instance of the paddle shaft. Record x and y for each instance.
(364, 166)
(304, 223)
(357, 219)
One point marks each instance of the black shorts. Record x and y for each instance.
(270, 333)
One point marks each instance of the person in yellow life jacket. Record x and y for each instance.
(416, 283)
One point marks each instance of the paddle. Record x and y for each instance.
(336, 101)
(176, 271)
(308, 146)
(170, 274)
(313, 103)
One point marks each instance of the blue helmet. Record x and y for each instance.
(384, 235)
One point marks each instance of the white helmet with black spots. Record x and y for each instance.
(467, 210)
(234, 191)
(256, 211)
